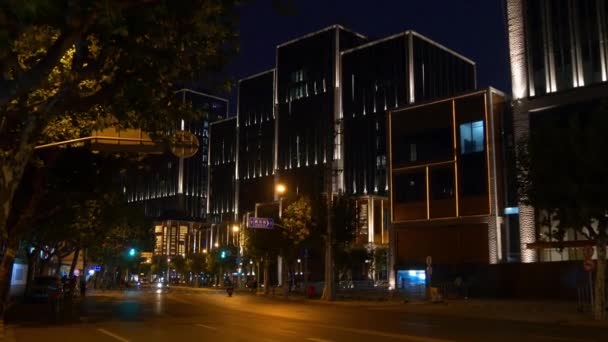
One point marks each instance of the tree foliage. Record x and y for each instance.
(68, 67)
(297, 221)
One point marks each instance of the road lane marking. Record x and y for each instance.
(206, 326)
(314, 339)
(105, 332)
(384, 334)
(558, 338)
(419, 324)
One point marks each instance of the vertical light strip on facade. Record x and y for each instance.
(603, 39)
(551, 81)
(486, 126)
(390, 163)
(428, 201)
(382, 219)
(370, 220)
(455, 158)
(577, 45)
(498, 219)
(209, 173)
(517, 48)
(410, 65)
(573, 53)
(180, 177)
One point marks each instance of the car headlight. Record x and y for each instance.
(159, 285)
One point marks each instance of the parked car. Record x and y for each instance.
(45, 289)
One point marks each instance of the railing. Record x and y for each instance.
(584, 296)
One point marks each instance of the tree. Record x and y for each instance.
(562, 173)
(179, 265)
(68, 67)
(196, 265)
(297, 226)
(264, 245)
(339, 214)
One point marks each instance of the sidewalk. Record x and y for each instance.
(41, 313)
(552, 312)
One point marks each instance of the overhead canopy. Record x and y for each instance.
(133, 140)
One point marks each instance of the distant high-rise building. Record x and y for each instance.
(173, 190)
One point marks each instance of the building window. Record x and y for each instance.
(442, 183)
(471, 137)
(410, 187)
(413, 152)
(297, 76)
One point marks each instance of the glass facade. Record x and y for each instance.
(256, 141)
(157, 183)
(305, 86)
(222, 168)
(376, 78)
(565, 44)
(448, 178)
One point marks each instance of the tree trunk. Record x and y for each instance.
(328, 288)
(285, 276)
(31, 264)
(266, 275)
(257, 276)
(74, 262)
(58, 266)
(13, 167)
(6, 273)
(599, 304)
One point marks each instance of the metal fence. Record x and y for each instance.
(584, 296)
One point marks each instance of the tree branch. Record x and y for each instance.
(36, 76)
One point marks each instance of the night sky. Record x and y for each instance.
(474, 28)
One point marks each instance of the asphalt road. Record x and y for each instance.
(188, 315)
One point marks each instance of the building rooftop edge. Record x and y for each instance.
(201, 93)
(223, 120)
(308, 35)
(256, 75)
(449, 98)
(405, 33)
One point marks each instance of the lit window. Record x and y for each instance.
(471, 137)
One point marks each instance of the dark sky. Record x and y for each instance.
(474, 28)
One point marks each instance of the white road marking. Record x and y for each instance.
(558, 338)
(384, 334)
(419, 324)
(314, 339)
(105, 332)
(206, 326)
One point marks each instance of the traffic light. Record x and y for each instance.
(132, 252)
(223, 255)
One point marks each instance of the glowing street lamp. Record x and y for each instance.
(280, 189)
(235, 228)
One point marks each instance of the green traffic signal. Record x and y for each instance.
(132, 252)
